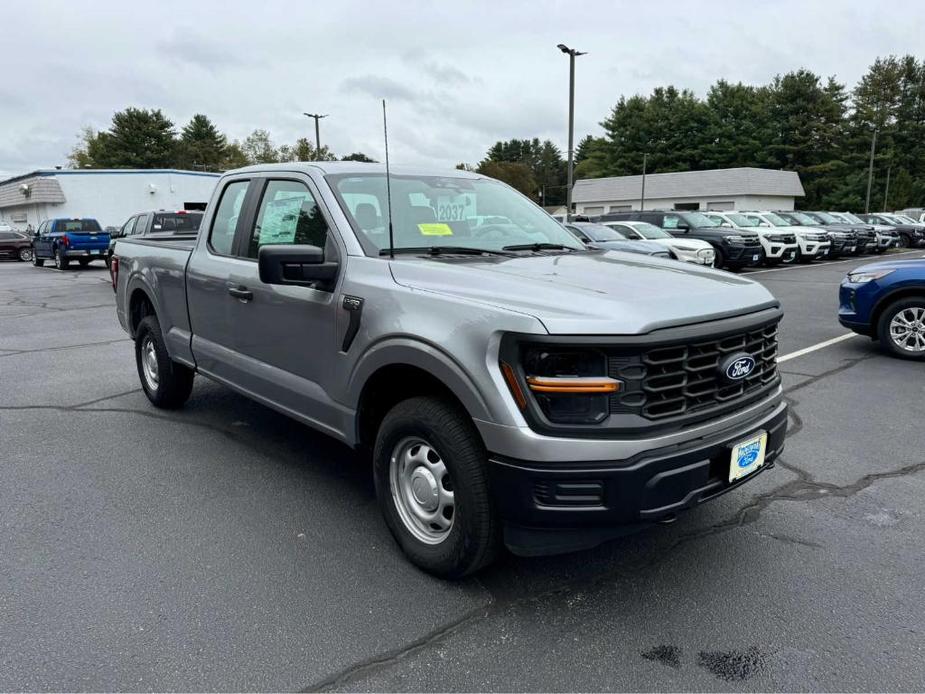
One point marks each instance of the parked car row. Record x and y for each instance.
(737, 239)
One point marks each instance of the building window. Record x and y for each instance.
(620, 208)
(730, 205)
(597, 209)
(687, 206)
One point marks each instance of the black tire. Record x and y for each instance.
(719, 260)
(36, 261)
(883, 327)
(61, 261)
(24, 255)
(904, 241)
(173, 382)
(83, 262)
(474, 538)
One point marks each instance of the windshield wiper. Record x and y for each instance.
(538, 247)
(440, 250)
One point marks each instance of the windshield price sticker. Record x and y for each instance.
(456, 208)
(435, 229)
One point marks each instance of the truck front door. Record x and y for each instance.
(285, 336)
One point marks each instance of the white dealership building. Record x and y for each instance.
(743, 188)
(108, 195)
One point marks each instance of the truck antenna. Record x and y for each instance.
(388, 183)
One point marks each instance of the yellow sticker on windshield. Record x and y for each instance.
(435, 229)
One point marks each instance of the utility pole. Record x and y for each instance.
(572, 54)
(886, 192)
(642, 197)
(317, 117)
(870, 171)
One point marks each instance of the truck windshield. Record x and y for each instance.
(599, 232)
(77, 225)
(649, 231)
(803, 219)
(824, 217)
(776, 220)
(176, 221)
(444, 211)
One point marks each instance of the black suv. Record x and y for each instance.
(734, 248)
(865, 235)
(910, 235)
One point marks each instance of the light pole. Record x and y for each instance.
(870, 171)
(572, 54)
(642, 197)
(317, 117)
(886, 192)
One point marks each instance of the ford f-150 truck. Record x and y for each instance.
(64, 240)
(512, 386)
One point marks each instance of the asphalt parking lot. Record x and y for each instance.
(225, 547)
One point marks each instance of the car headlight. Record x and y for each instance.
(862, 277)
(570, 386)
(706, 253)
(733, 238)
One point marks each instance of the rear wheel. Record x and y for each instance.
(166, 383)
(904, 241)
(431, 474)
(902, 328)
(25, 254)
(61, 260)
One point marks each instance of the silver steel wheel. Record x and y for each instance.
(149, 363)
(25, 254)
(422, 491)
(907, 329)
(57, 260)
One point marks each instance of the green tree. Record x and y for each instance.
(358, 156)
(83, 154)
(259, 149)
(136, 139)
(515, 174)
(543, 159)
(304, 150)
(201, 145)
(234, 157)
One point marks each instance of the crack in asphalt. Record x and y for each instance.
(15, 352)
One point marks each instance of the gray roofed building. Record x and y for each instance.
(714, 189)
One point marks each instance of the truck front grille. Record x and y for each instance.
(685, 379)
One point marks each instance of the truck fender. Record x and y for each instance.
(422, 355)
(138, 282)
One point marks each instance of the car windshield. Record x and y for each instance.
(176, 222)
(698, 219)
(77, 225)
(599, 232)
(445, 212)
(825, 217)
(905, 218)
(852, 218)
(650, 231)
(741, 220)
(802, 219)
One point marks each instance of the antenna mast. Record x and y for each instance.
(388, 183)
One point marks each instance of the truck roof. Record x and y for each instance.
(358, 167)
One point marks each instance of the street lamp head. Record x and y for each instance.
(570, 51)
(562, 47)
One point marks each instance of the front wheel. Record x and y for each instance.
(904, 241)
(166, 383)
(902, 328)
(431, 475)
(719, 260)
(24, 255)
(36, 261)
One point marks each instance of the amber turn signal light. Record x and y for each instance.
(567, 384)
(512, 383)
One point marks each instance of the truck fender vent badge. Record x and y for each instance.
(354, 305)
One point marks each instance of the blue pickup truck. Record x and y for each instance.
(64, 240)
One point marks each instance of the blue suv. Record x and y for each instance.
(886, 301)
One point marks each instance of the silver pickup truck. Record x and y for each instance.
(513, 386)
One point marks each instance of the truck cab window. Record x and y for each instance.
(221, 237)
(288, 214)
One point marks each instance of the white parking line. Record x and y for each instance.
(813, 348)
(856, 259)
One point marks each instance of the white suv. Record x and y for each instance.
(688, 250)
(780, 246)
(813, 243)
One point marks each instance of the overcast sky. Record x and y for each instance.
(458, 76)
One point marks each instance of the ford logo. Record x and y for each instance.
(735, 367)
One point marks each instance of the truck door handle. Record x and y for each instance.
(240, 292)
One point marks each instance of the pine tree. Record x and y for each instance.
(201, 145)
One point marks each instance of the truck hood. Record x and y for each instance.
(644, 247)
(593, 293)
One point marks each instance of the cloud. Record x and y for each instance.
(447, 75)
(378, 87)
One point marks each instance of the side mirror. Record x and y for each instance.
(302, 266)
(683, 227)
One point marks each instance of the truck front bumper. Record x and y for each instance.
(554, 507)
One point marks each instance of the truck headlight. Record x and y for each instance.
(569, 386)
(706, 253)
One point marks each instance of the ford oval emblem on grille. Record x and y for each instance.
(737, 366)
